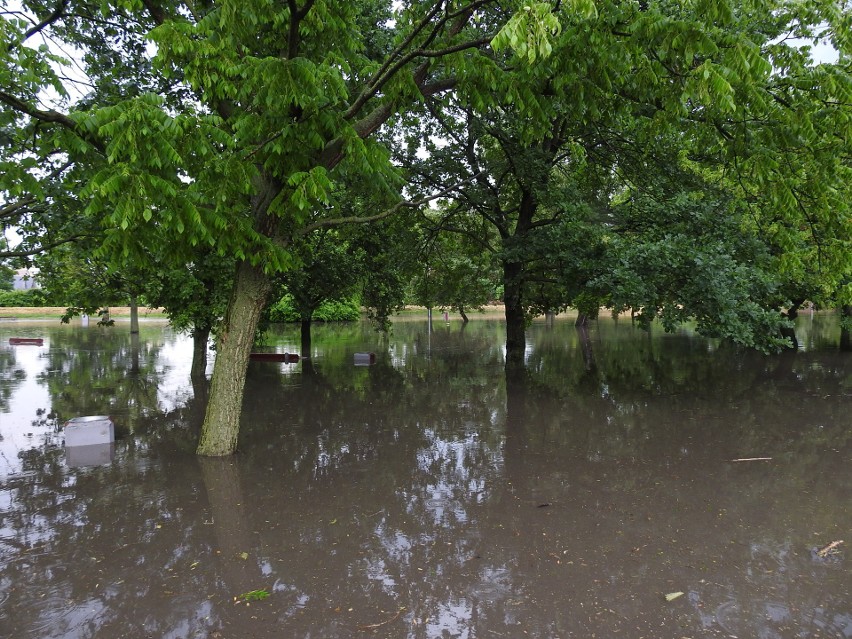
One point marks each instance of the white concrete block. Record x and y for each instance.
(88, 431)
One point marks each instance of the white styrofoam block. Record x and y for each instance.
(92, 455)
(90, 430)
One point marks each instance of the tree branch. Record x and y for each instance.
(404, 204)
(383, 74)
(58, 12)
(293, 31)
(396, 61)
(156, 11)
(54, 117)
(8, 210)
(42, 248)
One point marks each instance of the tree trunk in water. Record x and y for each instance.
(845, 333)
(514, 309)
(222, 420)
(464, 317)
(306, 337)
(198, 404)
(586, 344)
(134, 315)
(200, 337)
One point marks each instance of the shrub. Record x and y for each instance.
(22, 298)
(334, 311)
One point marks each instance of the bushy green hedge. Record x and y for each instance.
(28, 298)
(342, 311)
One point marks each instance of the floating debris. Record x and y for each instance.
(829, 549)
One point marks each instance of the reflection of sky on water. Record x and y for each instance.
(174, 363)
(27, 423)
(21, 426)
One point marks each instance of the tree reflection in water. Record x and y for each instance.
(436, 494)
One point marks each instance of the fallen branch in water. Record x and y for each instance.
(373, 626)
(829, 549)
(742, 459)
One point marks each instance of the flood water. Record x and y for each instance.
(428, 495)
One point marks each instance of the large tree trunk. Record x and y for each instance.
(306, 336)
(514, 310)
(513, 282)
(845, 333)
(222, 420)
(200, 337)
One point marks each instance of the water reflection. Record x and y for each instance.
(431, 494)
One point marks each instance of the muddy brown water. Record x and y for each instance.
(428, 495)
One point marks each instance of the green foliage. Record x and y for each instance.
(658, 106)
(6, 278)
(530, 31)
(285, 310)
(31, 297)
(455, 272)
(194, 295)
(686, 258)
(254, 595)
(72, 276)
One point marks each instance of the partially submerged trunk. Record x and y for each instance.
(586, 345)
(222, 420)
(134, 315)
(200, 337)
(513, 283)
(515, 319)
(134, 355)
(306, 336)
(845, 333)
(464, 317)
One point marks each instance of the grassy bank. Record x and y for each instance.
(56, 312)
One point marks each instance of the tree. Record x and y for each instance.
(73, 276)
(629, 100)
(331, 270)
(685, 256)
(243, 121)
(456, 271)
(193, 295)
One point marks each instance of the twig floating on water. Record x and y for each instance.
(742, 459)
(373, 626)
